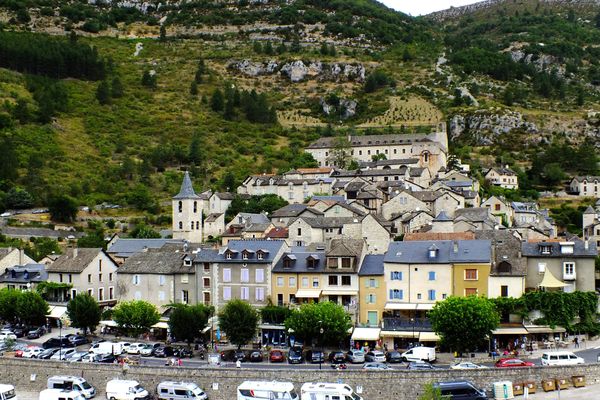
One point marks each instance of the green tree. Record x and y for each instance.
(141, 198)
(239, 321)
(257, 47)
(116, 88)
(8, 304)
(62, 208)
(143, 231)
(18, 198)
(463, 323)
(103, 93)
(195, 153)
(92, 240)
(32, 308)
(163, 34)
(149, 80)
(42, 247)
(194, 88)
(340, 154)
(431, 392)
(307, 321)
(21, 111)
(84, 312)
(136, 316)
(186, 322)
(217, 102)
(9, 159)
(268, 49)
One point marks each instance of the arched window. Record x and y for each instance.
(504, 267)
(180, 206)
(192, 225)
(180, 225)
(195, 206)
(197, 224)
(425, 156)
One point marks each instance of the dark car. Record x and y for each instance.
(393, 357)
(463, 390)
(36, 333)
(295, 356)
(105, 358)
(57, 342)
(20, 331)
(276, 356)
(164, 351)
(47, 353)
(78, 340)
(233, 355)
(184, 352)
(316, 356)
(256, 356)
(337, 357)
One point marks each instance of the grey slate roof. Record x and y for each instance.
(417, 252)
(589, 210)
(474, 214)
(349, 208)
(374, 164)
(24, 274)
(250, 218)
(299, 262)
(187, 190)
(293, 210)
(372, 265)
(370, 140)
(212, 217)
(533, 249)
(156, 262)
(74, 260)
(502, 171)
(344, 247)
(442, 216)
(324, 222)
(339, 199)
(126, 247)
(270, 248)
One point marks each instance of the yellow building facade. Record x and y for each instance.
(470, 279)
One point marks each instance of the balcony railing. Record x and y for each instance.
(407, 324)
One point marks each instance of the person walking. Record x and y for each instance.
(576, 341)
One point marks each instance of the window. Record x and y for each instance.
(260, 255)
(245, 275)
(292, 298)
(497, 207)
(260, 294)
(259, 275)
(99, 265)
(299, 231)
(541, 268)
(192, 225)
(206, 296)
(197, 224)
(101, 294)
(184, 296)
(292, 281)
(396, 294)
(566, 249)
(206, 282)
(280, 299)
(372, 283)
(470, 292)
(180, 206)
(333, 280)
(244, 255)
(74, 293)
(444, 296)
(315, 282)
(432, 275)
(431, 295)
(90, 292)
(371, 298)
(226, 274)
(89, 278)
(396, 275)
(110, 276)
(245, 293)
(99, 277)
(504, 291)
(546, 249)
(280, 281)
(419, 296)
(136, 280)
(332, 262)
(470, 274)
(206, 267)
(161, 280)
(305, 282)
(60, 278)
(569, 269)
(346, 262)
(185, 278)
(228, 255)
(226, 293)
(195, 206)
(180, 225)
(111, 293)
(71, 278)
(346, 280)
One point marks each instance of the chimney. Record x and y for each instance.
(74, 252)
(586, 244)
(455, 247)
(21, 256)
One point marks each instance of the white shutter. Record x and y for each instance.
(245, 277)
(226, 293)
(260, 275)
(226, 274)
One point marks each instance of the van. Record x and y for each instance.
(179, 391)
(327, 391)
(463, 390)
(419, 353)
(76, 383)
(7, 392)
(59, 394)
(250, 390)
(118, 389)
(107, 348)
(561, 358)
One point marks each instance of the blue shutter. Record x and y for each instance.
(401, 294)
(391, 294)
(400, 275)
(392, 275)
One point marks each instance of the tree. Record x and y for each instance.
(431, 392)
(103, 93)
(307, 321)
(268, 48)
(141, 198)
(117, 88)
(149, 80)
(18, 198)
(92, 240)
(143, 231)
(463, 323)
(8, 304)
(73, 37)
(195, 153)
(136, 316)
(62, 208)
(42, 246)
(340, 154)
(217, 101)
(21, 111)
(32, 308)
(186, 322)
(239, 321)
(84, 312)
(163, 33)
(194, 88)
(9, 159)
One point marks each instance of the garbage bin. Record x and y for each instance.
(548, 385)
(503, 390)
(578, 381)
(562, 383)
(517, 389)
(531, 386)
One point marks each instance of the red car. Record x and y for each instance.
(513, 363)
(276, 356)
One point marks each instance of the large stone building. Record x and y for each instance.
(187, 213)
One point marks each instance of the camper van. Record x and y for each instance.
(179, 391)
(7, 392)
(59, 394)
(69, 383)
(327, 391)
(561, 358)
(118, 389)
(419, 353)
(107, 348)
(250, 390)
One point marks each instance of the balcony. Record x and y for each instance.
(407, 324)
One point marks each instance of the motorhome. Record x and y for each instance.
(419, 353)
(76, 383)
(250, 390)
(107, 348)
(59, 394)
(7, 392)
(179, 391)
(118, 389)
(327, 391)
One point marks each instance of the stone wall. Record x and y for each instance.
(397, 385)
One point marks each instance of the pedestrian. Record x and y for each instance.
(179, 363)
(576, 341)
(238, 364)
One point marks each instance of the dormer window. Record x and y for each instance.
(288, 261)
(228, 255)
(260, 255)
(332, 262)
(312, 261)
(245, 255)
(433, 252)
(187, 262)
(566, 248)
(545, 249)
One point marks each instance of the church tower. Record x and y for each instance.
(187, 213)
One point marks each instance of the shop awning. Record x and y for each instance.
(110, 323)
(425, 307)
(400, 306)
(269, 326)
(428, 337)
(510, 331)
(550, 281)
(308, 293)
(545, 329)
(339, 292)
(400, 334)
(161, 325)
(57, 312)
(366, 334)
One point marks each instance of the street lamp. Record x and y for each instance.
(412, 320)
(322, 355)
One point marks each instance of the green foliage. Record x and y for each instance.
(149, 80)
(239, 321)
(376, 80)
(143, 231)
(186, 322)
(92, 240)
(103, 93)
(141, 198)
(217, 102)
(432, 393)
(255, 204)
(62, 208)
(136, 316)
(31, 308)
(463, 323)
(41, 247)
(308, 320)
(116, 88)
(274, 314)
(84, 312)
(18, 198)
(8, 304)
(46, 289)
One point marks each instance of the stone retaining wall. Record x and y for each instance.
(377, 385)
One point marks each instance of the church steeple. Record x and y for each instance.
(187, 212)
(187, 189)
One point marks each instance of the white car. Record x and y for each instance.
(375, 356)
(63, 354)
(32, 352)
(7, 335)
(467, 365)
(134, 348)
(5, 214)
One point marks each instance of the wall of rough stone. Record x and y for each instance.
(397, 384)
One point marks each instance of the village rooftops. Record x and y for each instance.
(156, 262)
(301, 262)
(372, 265)
(24, 274)
(74, 260)
(439, 252)
(371, 140)
(560, 249)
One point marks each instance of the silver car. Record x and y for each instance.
(355, 356)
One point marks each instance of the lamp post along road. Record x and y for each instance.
(322, 355)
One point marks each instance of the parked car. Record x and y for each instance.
(295, 356)
(394, 356)
(460, 390)
(337, 357)
(164, 351)
(256, 356)
(148, 349)
(376, 366)
(420, 366)
(233, 355)
(63, 354)
(47, 353)
(77, 356)
(57, 342)
(32, 352)
(184, 352)
(36, 333)
(105, 358)
(78, 340)
(20, 331)
(4, 335)
(375, 356)
(316, 356)
(513, 363)
(276, 356)
(467, 365)
(134, 348)
(355, 356)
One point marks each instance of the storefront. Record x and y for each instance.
(366, 338)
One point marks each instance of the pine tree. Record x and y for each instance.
(229, 113)
(281, 48)
(116, 88)
(257, 47)
(73, 37)
(163, 33)
(103, 93)
(295, 46)
(194, 88)
(217, 101)
(332, 51)
(324, 50)
(148, 79)
(268, 49)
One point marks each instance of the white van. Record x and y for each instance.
(107, 348)
(7, 392)
(561, 358)
(270, 390)
(118, 389)
(59, 394)
(179, 391)
(419, 353)
(76, 383)
(323, 391)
